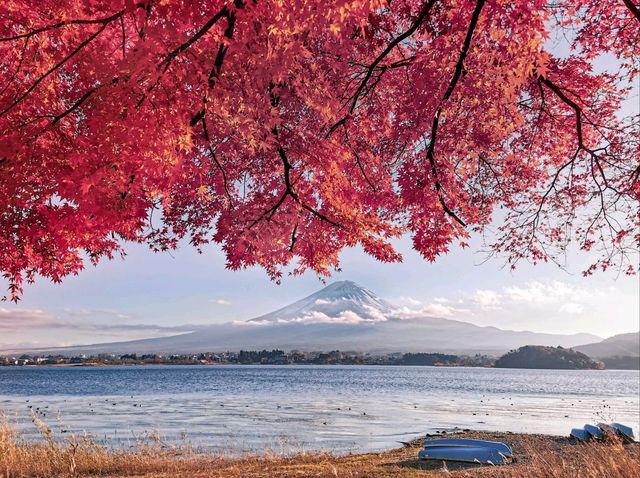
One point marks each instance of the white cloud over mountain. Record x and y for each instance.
(346, 316)
(540, 292)
(533, 305)
(487, 299)
(478, 301)
(220, 301)
(346, 303)
(555, 306)
(432, 309)
(572, 308)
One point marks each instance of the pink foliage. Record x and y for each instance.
(287, 130)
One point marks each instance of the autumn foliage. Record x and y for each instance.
(287, 130)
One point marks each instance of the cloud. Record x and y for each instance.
(485, 306)
(489, 303)
(441, 300)
(544, 293)
(317, 317)
(220, 302)
(324, 302)
(408, 300)
(374, 314)
(99, 322)
(434, 309)
(349, 317)
(487, 299)
(96, 313)
(441, 310)
(344, 317)
(34, 314)
(536, 305)
(572, 308)
(14, 319)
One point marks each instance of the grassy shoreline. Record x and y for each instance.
(537, 455)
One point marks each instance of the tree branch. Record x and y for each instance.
(172, 55)
(436, 119)
(426, 9)
(214, 74)
(465, 48)
(35, 84)
(63, 23)
(579, 131)
(289, 191)
(215, 159)
(164, 65)
(633, 8)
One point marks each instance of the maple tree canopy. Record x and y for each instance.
(287, 130)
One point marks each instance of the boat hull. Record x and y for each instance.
(594, 431)
(580, 434)
(470, 442)
(625, 432)
(465, 454)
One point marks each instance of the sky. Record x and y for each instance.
(150, 295)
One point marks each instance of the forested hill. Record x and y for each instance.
(538, 356)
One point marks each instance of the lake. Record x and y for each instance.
(292, 408)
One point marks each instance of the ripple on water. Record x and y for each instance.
(236, 409)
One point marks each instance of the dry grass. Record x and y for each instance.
(538, 456)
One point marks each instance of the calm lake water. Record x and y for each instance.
(289, 408)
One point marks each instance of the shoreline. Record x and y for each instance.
(536, 455)
(526, 357)
(233, 364)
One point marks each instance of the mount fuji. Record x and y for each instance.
(340, 301)
(342, 316)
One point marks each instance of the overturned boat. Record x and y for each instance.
(466, 450)
(625, 432)
(580, 434)
(603, 431)
(608, 430)
(594, 431)
(470, 442)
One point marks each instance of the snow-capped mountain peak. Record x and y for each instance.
(342, 316)
(339, 301)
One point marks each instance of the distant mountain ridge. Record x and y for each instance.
(622, 345)
(342, 316)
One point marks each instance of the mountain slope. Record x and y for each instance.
(341, 316)
(333, 302)
(622, 345)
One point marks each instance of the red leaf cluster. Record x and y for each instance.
(287, 130)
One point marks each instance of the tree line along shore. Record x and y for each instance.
(529, 356)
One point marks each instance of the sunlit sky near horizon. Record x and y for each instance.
(160, 294)
(149, 295)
